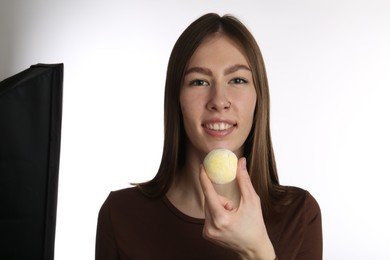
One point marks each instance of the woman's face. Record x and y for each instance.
(217, 97)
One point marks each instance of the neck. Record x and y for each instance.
(186, 193)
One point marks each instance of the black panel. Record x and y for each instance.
(30, 132)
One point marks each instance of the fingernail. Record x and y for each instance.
(243, 163)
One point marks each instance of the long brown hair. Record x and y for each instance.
(258, 146)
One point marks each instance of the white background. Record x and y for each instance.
(328, 64)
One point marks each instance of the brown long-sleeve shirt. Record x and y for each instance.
(133, 226)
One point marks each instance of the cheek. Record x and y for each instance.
(187, 107)
(249, 103)
(191, 103)
(249, 109)
(184, 106)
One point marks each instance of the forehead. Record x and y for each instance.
(217, 50)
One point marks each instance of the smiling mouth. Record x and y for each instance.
(218, 126)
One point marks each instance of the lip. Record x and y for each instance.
(223, 122)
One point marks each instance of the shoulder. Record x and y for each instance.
(127, 204)
(290, 198)
(294, 225)
(288, 193)
(125, 198)
(132, 193)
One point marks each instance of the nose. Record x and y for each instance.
(218, 100)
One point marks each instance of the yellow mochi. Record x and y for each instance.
(221, 166)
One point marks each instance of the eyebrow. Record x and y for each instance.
(208, 72)
(199, 70)
(235, 68)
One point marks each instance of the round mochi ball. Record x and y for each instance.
(221, 166)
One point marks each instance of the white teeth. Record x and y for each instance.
(218, 126)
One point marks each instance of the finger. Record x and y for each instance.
(210, 194)
(243, 180)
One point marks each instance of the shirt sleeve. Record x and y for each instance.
(312, 241)
(105, 247)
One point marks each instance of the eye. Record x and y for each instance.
(198, 82)
(238, 81)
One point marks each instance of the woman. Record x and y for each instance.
(216, 96)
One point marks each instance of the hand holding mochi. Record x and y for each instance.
(221, 166)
